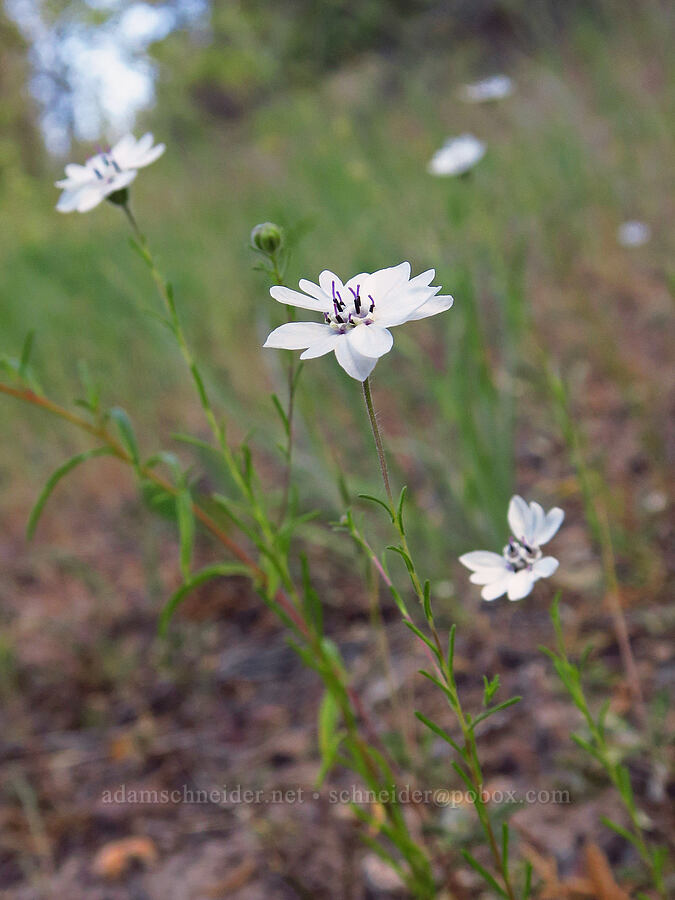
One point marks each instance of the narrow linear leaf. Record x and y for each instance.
(427, 601)
(619, 829)
(432, 726)
(493, 710)
(54, 479)
(206, 574)
(399, 508)
(282, 414)
(420, 634)
(505, 846)
(26, 351)
(381, 503)
(483, 872)
(126, 432)
(527, 890)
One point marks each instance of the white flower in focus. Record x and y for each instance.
(495, 88)
(84, 187)
(357, 315)
(457, 155)
(521, 562)
(633, 234)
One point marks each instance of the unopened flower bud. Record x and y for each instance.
(267, 237)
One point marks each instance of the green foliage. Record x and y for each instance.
(597, 746)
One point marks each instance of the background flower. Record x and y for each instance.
(494, 88)
(521, 563)
(84, 187)
(633, 233)
(457, 155)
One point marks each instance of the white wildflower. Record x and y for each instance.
(633, 234)
(84, 187)
(457, 156)
(494, 88)
(521, 562)
(357, 315)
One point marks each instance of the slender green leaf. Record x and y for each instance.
(399, 509)
(483, 872)
(204, 575)
(373, 499)
(495, 709)
(26, 351)
(126, 432)
(54, 479)
(432, 726)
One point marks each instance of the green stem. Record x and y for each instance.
(470, 747)
(292, 386)
(382, 459)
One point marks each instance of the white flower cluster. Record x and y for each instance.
(357, 315)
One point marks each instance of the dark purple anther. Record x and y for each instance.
(372, 302)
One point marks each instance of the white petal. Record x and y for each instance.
(496, 589)
(519, 517)
(545, 567)
(385, 280)
(150, 156)
(481, 559)
(313, 290)
(75, 175)
(68, 201)
(358, 281)
(370, 340)
(537, 517)
(88, 198)
(125, 148)
(432, 307)
(354, 364)
(120, 181)
(520, 584)
(401, 304)
(297, 335)
(295, 298)
(552, 522)
(424, 279)
(328, 280)
(487, 576)
(325, 345)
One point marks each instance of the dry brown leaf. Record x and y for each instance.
(114, 859)
(600, 874)
(238, 877)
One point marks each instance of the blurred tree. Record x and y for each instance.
(20, 144)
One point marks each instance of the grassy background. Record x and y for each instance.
(582, 145)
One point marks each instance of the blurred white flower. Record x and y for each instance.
(457, 155)
(495, 88)
(84, 187)
(356, 315)
(521, 563)
(633, 234)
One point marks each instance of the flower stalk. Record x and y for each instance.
(469, 768)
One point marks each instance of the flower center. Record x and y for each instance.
(519, 555)
(106, 169)
(350, 311)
